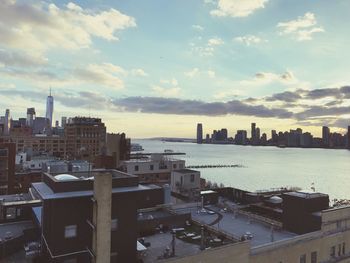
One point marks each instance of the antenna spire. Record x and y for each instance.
(50, 91)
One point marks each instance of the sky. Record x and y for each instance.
(157, 68)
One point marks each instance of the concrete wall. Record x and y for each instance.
(238, 252)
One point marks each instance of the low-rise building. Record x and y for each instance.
(186, 182)
(156, 169)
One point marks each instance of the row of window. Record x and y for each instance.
(70, 231)
(161, 166)
(336, 251)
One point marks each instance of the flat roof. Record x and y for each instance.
(238, 225)
(305, 194)
(46, 192)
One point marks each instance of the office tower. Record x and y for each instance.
(7, 122)
(30, 117)
(253, 131)
(257, 134)
(224, 134)
(325, 136)
(49, 109)
(199, 133)
(241, 137)
(207, 138)
(57, 124)
(63, 122)
(274, 136)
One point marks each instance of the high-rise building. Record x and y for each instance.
(325, 136)
(253, 131)
(199, 133)
(257, 134)
(348, 137)
(241, 137)
(49, 109)
(30, 117)
(7, 122)
(63, 122)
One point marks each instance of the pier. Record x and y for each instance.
(214, 166)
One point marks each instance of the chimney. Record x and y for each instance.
(102, 217)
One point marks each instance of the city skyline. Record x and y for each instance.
(214, 65)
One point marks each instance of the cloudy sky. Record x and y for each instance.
(156, 68)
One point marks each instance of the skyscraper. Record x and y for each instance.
(30, 117)
(253, 131)
(199, 133)
(63, 122)
(49, 109)
(325, 136)
(7, 122)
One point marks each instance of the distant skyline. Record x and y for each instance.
(157, 68)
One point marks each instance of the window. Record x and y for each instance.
(114, 224)
(343, 248)
(151, 167)
(192, 178)
(174, 165)
(136, 168)
(70, 231)
(333, 251)
(338, 224)
(314, 257)
(3, 152)
(303, 258)
(339, 250)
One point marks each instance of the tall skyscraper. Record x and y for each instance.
(199, 133)
(253, 131)
(7, 122)
(49, 109)
(30, 117)
(325, 136)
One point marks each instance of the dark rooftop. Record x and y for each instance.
(305, 195)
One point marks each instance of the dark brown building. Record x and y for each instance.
(67, 210)
(85, 137)
(7, 167)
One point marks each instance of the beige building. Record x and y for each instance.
(329, 244)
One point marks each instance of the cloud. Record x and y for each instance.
(301, 28)
(196, 72)
(287, 96)
(249, 40)
(237, 8)
(42, 26)
(192, 73)
(167, 88)
(166, 92)
(196, 107)
(10, 58)
(208, 49)
(197, 27)
(216, 41)
(139, 72)
(105, 74)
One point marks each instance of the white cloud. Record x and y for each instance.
(105, 74)
(166, 92)
(192, 73)
(139, 72)
(216, 41)
(168, 88)
(301, 28)
(198, 27)
(196, 72)
(237, 8)
(41, 26)
(211, 74)
(249, 40)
